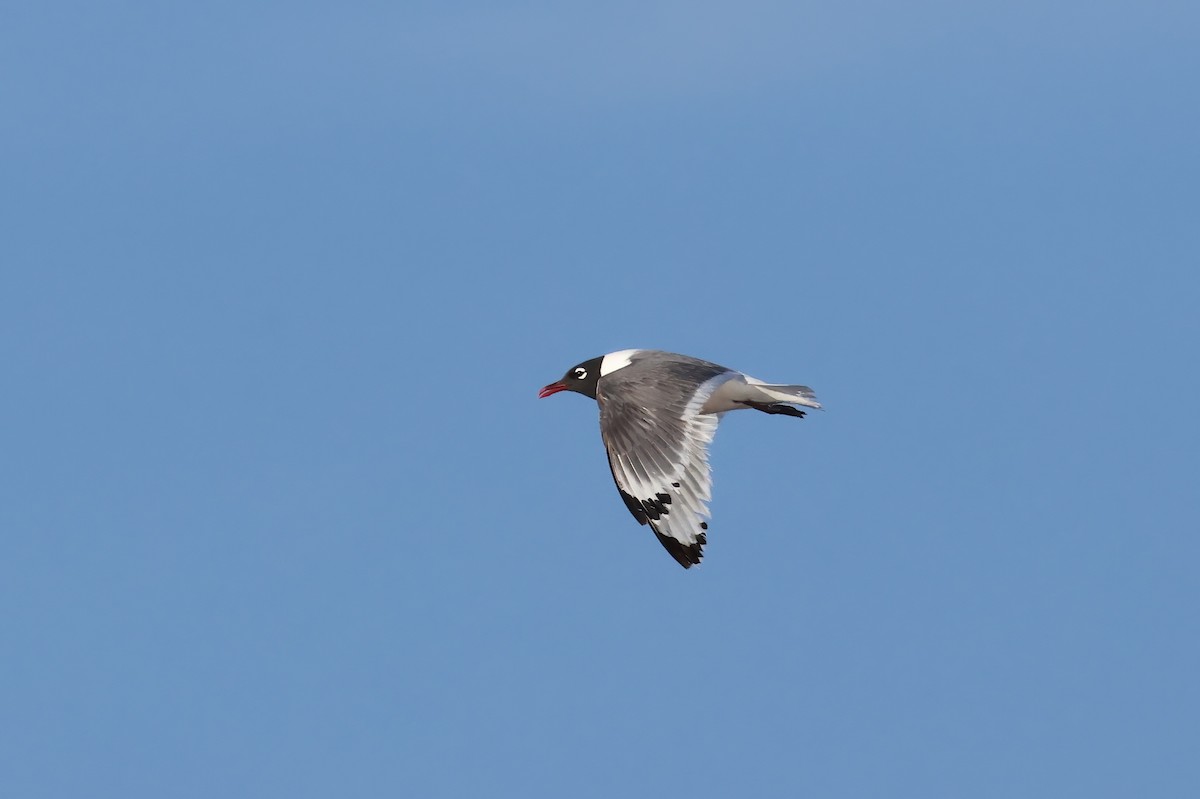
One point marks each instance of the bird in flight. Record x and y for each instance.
(658, 413)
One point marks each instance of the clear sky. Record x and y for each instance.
(282, 516)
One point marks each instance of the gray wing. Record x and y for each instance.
(657, 442)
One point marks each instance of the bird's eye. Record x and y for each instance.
(580, 373)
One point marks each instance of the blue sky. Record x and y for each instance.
(283, 516)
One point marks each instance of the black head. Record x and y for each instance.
(580, 379)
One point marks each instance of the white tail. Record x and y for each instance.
(794, 395)
(735, 392)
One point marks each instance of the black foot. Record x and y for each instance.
(774, 407)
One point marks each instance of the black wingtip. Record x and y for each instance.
(686, 555)
(649, 511)
(774, 407)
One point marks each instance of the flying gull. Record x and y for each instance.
(658, 413)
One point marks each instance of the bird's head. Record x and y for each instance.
(581, 379)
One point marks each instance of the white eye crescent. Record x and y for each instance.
(580, 373)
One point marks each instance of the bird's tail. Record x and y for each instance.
(793, 395)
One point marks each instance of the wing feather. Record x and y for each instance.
(657, 441)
